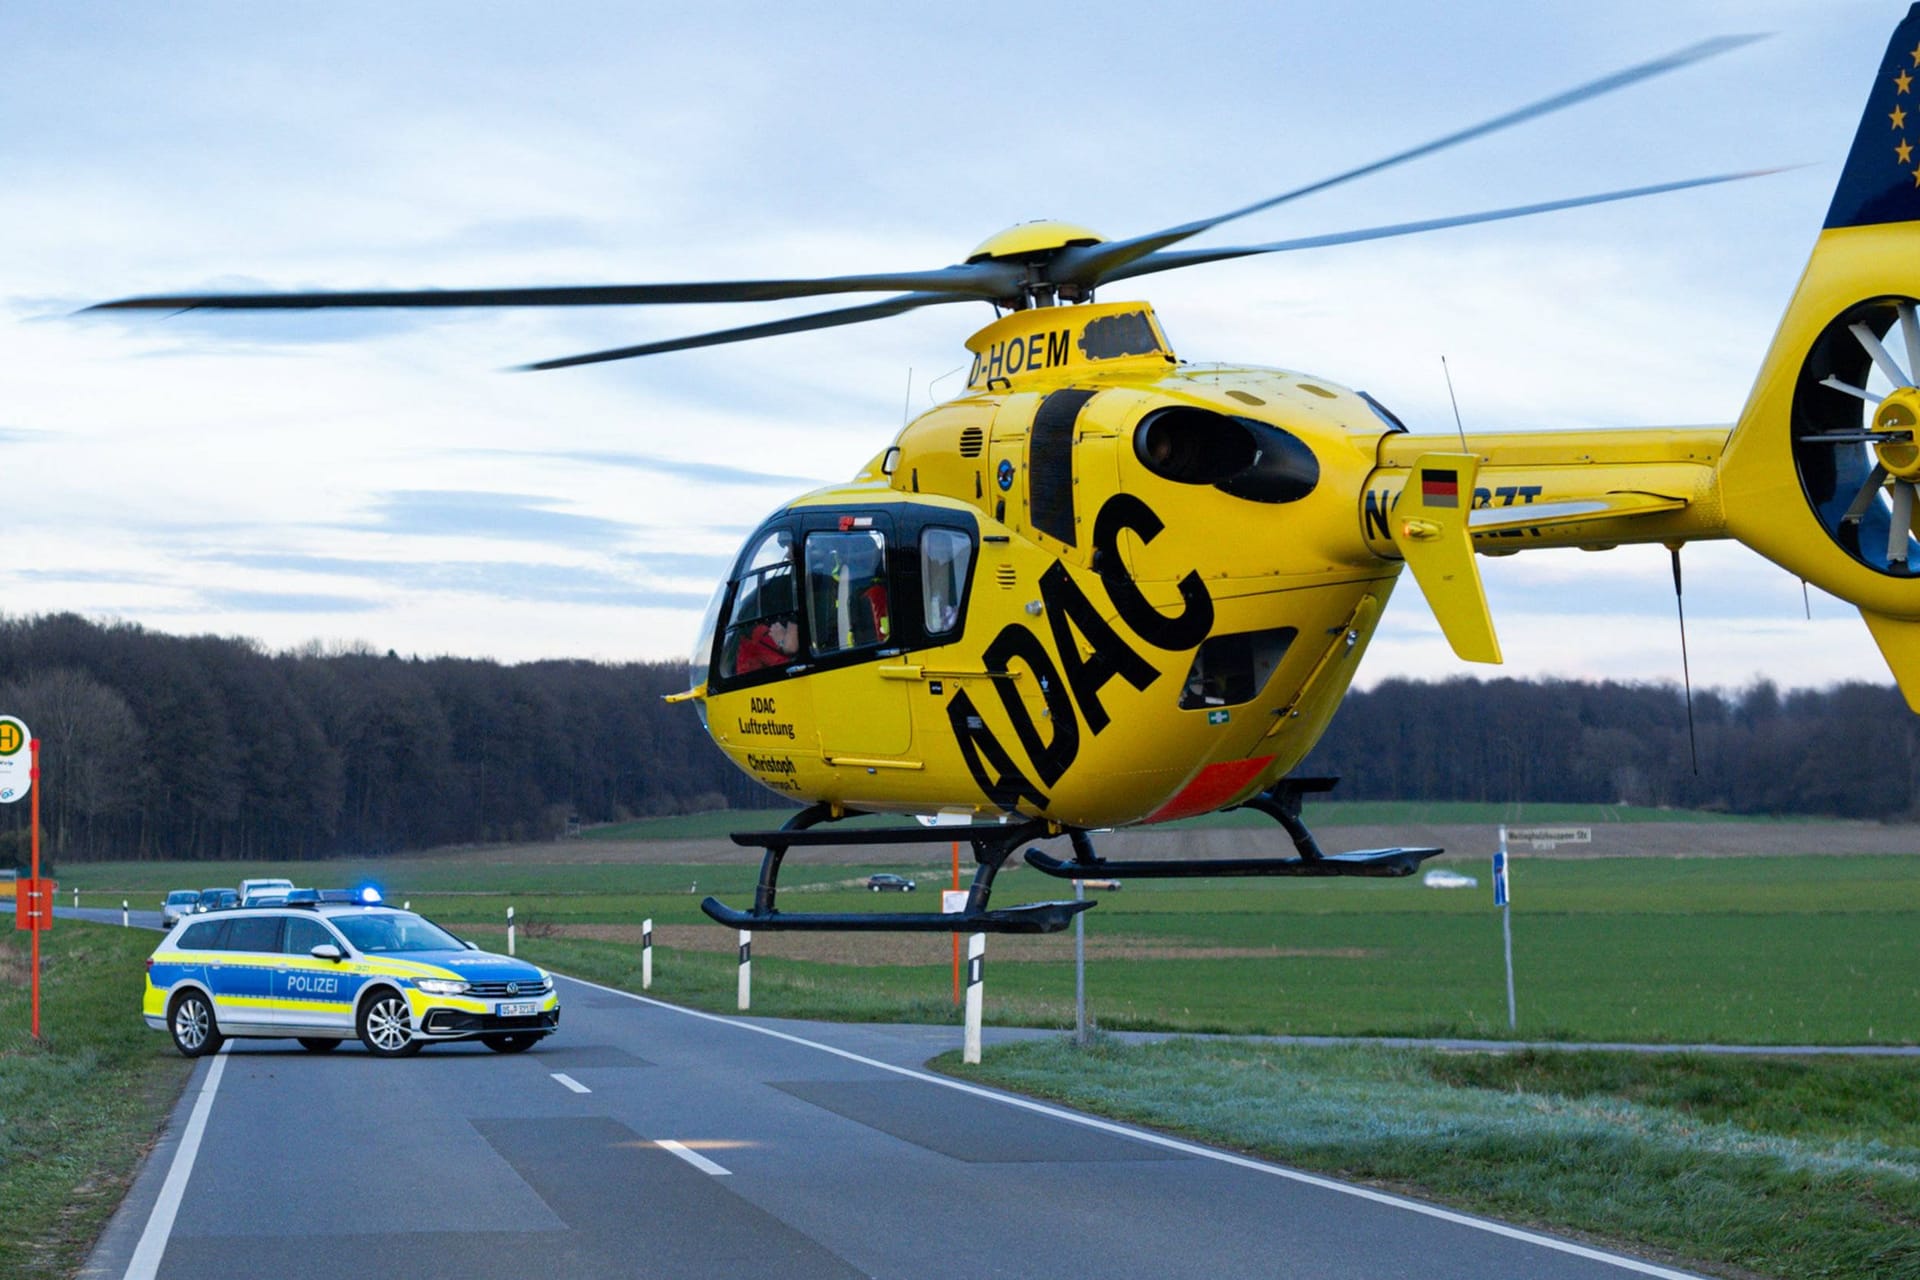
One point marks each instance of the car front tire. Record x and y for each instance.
(195, 1030)
(386, 1025)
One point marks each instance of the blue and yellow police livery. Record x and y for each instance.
(321, 973)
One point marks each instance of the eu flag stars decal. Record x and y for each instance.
(1881, 182)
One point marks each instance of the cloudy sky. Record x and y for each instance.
(377, 478)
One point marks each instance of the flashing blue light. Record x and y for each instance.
(368, 895)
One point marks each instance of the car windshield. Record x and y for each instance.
(184, 895)
(382, 934)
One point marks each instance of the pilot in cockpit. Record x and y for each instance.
(772, 643)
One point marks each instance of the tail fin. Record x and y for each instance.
(1822, 472)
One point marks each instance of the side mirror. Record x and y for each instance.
(471, 946)
(327, 951)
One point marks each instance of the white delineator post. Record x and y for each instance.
(1080, 965)
(976, 966)
(76, 898)
(746, 969)
(646, 955)
(509, 930)
(126, 921)
(1502, 899)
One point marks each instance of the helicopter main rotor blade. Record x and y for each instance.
(1091, 265)
(772, 328)
(1168, 260)
(965, 280)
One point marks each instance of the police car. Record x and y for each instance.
(323, 972)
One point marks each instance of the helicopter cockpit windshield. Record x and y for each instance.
(823, 588)
(763, 626)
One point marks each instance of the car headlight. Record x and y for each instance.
(440, 986)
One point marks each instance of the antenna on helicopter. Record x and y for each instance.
(1457, 425)
(1686, 674)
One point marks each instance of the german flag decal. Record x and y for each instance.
(1440, 488)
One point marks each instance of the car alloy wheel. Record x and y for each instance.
(195, 1032)
(386, 1026)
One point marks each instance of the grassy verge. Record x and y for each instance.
(1787, 1167)
(78, 1109)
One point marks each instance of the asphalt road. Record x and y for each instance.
(647, 1140)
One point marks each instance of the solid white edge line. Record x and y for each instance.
(159, 1229)
(1175, 1144)
(693, 1158)
(570, 1082)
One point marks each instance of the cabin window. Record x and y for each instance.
(945, 556)
(847, 601)
(1232, 669)
(763, 630)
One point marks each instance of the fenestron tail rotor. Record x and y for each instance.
(1034, 265)
(1854, 444)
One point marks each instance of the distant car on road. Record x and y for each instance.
(265, 884)
(216, 899)
(178, 903)
(887, 881)
(1441, 878)
(1101, 884)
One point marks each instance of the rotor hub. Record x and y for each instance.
(1899, 416)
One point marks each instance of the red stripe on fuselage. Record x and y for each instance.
(1212, 787)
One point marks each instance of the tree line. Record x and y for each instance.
(162, 746)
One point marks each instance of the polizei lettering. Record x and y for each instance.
(1071, 687)
(1026, 353)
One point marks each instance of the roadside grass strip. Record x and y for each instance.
(1787, 1168)
(79, 1109)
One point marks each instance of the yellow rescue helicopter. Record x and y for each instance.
(1106, 587)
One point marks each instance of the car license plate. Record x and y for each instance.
(518, 1009)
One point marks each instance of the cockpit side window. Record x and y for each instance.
(763, 628)
(848, 605)
(945, 556)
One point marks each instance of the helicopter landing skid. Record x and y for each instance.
(1280, 802)
(991, 848)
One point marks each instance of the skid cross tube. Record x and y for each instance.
(992, 846)
(1281, 802)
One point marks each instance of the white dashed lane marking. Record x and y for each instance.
(693, 1158)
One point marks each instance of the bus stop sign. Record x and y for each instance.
(16, 762)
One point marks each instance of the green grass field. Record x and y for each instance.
(1776, 950)
(1330, 813)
